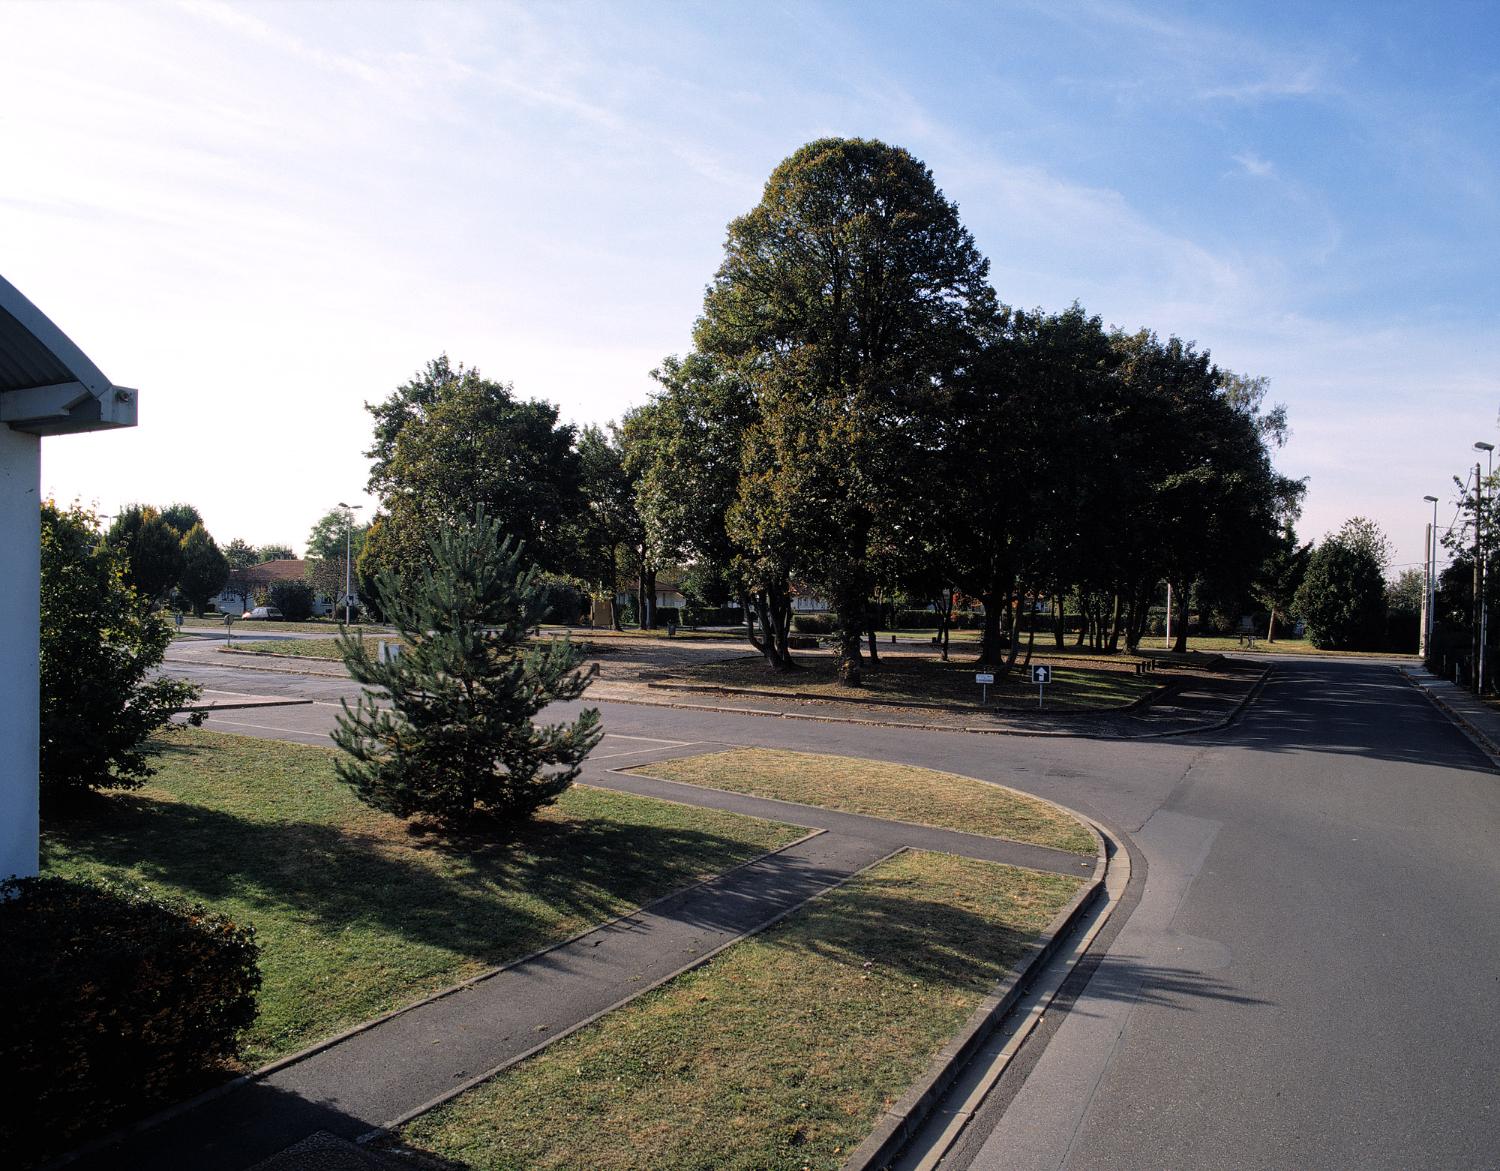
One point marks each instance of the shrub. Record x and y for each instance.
(665, 614)
(563, 601)
(100, 646)
(812, 623)
(713, 616)
(116, 999)
(293, 598)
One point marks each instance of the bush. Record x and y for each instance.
(665, 614)
(563, 602)
(116, 999)
(293, 598)
(713, 616)
(100, 646)
(812, 623)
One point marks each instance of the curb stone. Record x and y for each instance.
(1455, 717)
(904, 1120)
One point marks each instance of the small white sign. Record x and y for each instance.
(1041, 674)
(984, 678)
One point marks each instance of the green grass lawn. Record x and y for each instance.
(210, 625)
(880, 789)
(1282, 646)
(923, 679)
(305, 648)
(782, 1051)
(357, 913)
(328, 648)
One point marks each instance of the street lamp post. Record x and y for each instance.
(349, 510)
(1429, 583)
(1479, 599)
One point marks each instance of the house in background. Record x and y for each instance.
(239, 592)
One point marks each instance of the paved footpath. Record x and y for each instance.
(383, 1074)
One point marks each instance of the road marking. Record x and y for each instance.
(272, 728)
(637, 751)
(653, 739)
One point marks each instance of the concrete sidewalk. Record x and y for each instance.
(380, 1075)
(1479, 720)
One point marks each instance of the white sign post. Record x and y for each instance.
(1041, 676)
(984, 679)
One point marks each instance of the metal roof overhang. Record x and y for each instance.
(48, 386)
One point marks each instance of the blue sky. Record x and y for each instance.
(265, 215)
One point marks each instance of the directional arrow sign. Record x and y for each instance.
(1041, 674)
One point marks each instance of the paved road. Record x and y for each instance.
(1308, 974)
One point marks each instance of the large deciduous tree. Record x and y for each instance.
(451, 441)
(1343, 593)
(204, 568)
(845, 300)
(152, 549)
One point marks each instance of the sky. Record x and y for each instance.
(266, 215)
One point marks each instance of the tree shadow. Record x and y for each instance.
(262, 1125)
(1349, 709)
(484, 900)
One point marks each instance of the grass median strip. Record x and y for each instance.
(782, 1051)
(356, 913)
(880, 789)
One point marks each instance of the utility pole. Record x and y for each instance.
(1480, 500)
(1429, 599)
(1426, 595)
(1478, 578)
(348, 560)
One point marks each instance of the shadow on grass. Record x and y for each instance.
(916, 938)
(486, 900)
(922, 940)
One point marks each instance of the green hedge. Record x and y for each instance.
(116, 1000)
(812, 623)
(713, 616)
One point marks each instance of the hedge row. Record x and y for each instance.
(116, 999)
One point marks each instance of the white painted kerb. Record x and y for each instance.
(20, 649)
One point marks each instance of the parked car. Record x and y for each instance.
(265, 613)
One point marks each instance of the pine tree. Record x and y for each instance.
(445, 727)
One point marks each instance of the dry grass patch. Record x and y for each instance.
(356, 913)
(783, 1051)
(881, 789)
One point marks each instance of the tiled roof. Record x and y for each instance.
(287, 569)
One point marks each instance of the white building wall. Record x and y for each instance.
(20, 649)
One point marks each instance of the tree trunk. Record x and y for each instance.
(989, 641)
(1271, 626)
(1059, 614)
(1030, 637)
(614, 587)
(850, 611)
(767, 642)
(648, 599)
(1113, 644)
(945, 621)
(1013, 628)
(874, 638)
(1179, 643)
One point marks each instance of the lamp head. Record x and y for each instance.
(1483, 446)
(1430, 499)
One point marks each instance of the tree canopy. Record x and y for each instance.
(450, 441)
